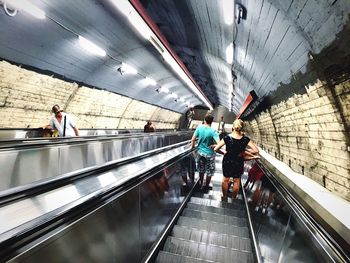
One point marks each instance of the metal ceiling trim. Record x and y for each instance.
(143, 13)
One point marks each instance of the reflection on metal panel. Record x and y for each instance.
(25, 166)
(281, 235)
(77, 191)
(110, 234)
(120, 230)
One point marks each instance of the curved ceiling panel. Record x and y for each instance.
(52, 45)
(273, 42)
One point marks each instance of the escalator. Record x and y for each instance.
(146, 209)
(210, 230)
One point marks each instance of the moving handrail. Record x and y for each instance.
(251, 229)
(332, 247)
(44, 142)
(27, 231)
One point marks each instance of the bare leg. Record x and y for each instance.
(201, 176)
(235, 187)
(207, 181)
(224, 186)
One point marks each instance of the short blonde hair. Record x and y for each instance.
(238, 125)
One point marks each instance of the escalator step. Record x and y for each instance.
(215, 195)
(213, 227)
(166, 257)
(206, 251)
(230, 220)
(215, 203)
(217, 239)
(217, 210)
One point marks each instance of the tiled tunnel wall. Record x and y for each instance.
(26, 98)
(308, 132)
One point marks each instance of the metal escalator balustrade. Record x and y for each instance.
(26, 164)
(29, 218)
(285, 230)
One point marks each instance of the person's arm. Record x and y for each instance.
(252, 148)
(217, 147)
(46, 127)
(76, 131)
(193, 141)
(251, 151)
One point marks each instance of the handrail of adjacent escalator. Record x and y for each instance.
(41, 142)
(37, 227)
(330, 246)
(251, 229)
(19, 192)
(156, 247)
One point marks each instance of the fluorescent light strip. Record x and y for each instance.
(150, 81)
(134, 18)
(227, 7)
(91, 47)
(229, 54)
(127, 69)
(138, 22)
(164, 90)
(27, 7)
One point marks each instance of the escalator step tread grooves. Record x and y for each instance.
(225, 219)
(206, 251)
(217, 210)
(166, 257)
(213, 238)
(216, 203)
(213, 227)
(217, 197)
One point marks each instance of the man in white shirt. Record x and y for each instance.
(62, 123)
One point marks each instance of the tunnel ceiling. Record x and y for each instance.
(273, 42)
(52, 45)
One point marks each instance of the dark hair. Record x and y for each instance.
(209, 119)
(56, 108)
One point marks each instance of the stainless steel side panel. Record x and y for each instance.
(23, 167)
(281, 235)
(122, 230)
(110, 234)
(19, 167)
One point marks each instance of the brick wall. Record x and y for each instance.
(26, 98)
(308, 132)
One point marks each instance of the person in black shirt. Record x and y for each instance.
(238, 148)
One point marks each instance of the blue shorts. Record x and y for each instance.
(206, 164)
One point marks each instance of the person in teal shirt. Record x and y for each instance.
(205, 137)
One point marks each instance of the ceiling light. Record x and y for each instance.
(174, 95)
(91, 47)
(26, 6)
(134, 18)
(126, 69)
(150, 81)
(227, 6)
(181, 99)
(164, 90)
(229, 53)
(176, 67)
(127, 8)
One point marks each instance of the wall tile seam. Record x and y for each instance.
(330, 163)
(335, 182)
